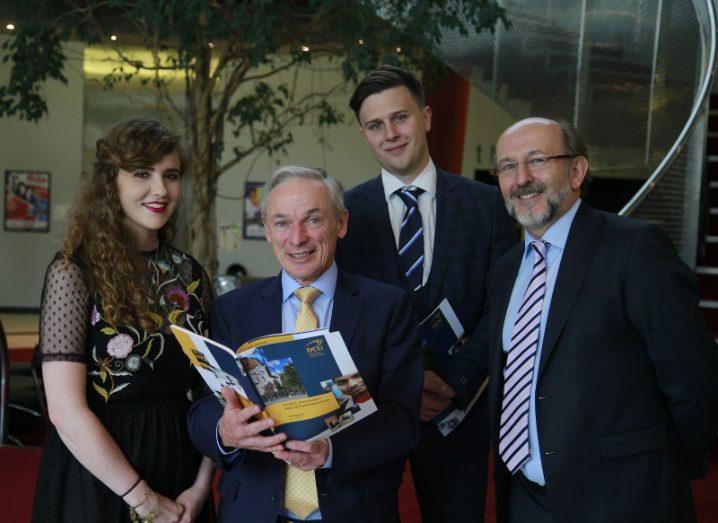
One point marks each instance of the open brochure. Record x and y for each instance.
(441, 337)
(306, 381)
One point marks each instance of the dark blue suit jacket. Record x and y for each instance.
(472, 232)
(627, 389)
(375, 321)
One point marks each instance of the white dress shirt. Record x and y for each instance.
(427, 207)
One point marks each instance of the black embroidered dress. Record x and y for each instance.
(137, 384)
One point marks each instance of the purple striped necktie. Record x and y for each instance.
(518, 372)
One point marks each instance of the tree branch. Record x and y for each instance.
(292, 113)
(274, 71)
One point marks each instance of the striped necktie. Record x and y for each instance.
(300, 486)
(518, 372)
(411, 239)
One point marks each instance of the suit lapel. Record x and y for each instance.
(268, 310)
(503, 286)
(379, 229)
(347, 308)
(577, 257)
(447, 223)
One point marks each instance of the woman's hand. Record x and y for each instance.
(164, 509)
(169, 511)
(192, 500)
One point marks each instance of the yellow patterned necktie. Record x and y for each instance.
(306, 318)
(300, 488)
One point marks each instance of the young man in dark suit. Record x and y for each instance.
(357, 472)
(604, 381)
(436, 234)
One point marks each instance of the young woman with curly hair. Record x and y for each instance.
(116, 380)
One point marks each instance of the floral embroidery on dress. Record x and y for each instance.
(120, 346)
(95, 316)
(178, 296)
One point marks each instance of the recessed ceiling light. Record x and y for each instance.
(113, 38)
(10, 27)
(304, 48)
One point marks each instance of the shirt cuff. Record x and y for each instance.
(330, 455)
(224, 451)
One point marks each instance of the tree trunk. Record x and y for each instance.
(203, 218)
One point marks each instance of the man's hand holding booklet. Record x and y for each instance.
(442, 336)
(306, 382)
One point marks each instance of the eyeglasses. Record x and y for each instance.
(532, 164)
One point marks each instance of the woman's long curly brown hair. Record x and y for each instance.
(96, 235)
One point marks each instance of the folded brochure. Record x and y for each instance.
(306, 382)
(441, 333)
(441, 338)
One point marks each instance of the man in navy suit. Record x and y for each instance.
(604, 377)
(460, 228)
(358, 470)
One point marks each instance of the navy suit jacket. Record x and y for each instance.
(627, 393)
(472, 232)
(375, 321)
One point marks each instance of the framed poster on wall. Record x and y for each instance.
(253, 229)
(27, 201)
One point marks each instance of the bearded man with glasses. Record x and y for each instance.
(603, 375)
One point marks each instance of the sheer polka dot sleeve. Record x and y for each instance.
(65, 314)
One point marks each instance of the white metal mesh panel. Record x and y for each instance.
(626, 72)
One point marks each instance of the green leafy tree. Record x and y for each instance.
(270, 389)
(228, 56)
(290, 378)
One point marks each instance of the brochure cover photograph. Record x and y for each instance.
(306, 382)
(441, 337)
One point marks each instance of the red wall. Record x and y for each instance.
(449, 105)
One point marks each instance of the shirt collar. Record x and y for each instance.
(326, 283)
(426, 181)
(557, 234)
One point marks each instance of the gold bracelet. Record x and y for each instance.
(134, 516)
(150, 516)
(144, 499)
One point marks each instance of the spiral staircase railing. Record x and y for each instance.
(633, 75)
(697, 110)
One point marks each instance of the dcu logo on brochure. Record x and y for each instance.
(315, 348)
